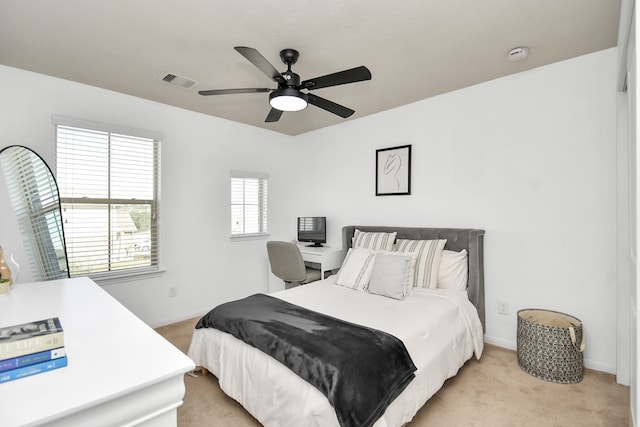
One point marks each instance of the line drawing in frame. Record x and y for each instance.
(393, 171)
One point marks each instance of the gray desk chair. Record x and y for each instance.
(286, 263)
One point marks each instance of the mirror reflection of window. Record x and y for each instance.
(34, 198)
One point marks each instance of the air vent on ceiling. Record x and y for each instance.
(177, 80)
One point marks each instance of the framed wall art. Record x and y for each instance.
(393, 171)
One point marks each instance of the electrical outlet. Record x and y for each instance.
(173, 291)
(503, 307)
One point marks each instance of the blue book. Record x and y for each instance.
(31, 359)
(38, 368)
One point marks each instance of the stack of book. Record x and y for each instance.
(31, 348)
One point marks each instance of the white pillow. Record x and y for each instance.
(453, 271)
(428, 253)
(373, 241)
(392, 274)
(356, 269)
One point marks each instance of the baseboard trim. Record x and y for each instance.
(588, 363)
(188, 316)
(511, 345)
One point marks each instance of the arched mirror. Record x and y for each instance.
(32, 194)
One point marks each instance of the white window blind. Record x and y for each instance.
(109, 189)
(248, 203)
(34, 198)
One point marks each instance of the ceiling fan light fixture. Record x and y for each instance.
(288, 99)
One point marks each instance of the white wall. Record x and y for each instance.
(198, 153)
(530, 158)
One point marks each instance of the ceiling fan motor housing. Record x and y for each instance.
(291, 79)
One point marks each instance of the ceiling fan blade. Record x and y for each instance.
(273, 116)
(233, 91)
(330, 106)
(353, 75)
(260, 62)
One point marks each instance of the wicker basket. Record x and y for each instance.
(550, 345)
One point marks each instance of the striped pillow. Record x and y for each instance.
(429, 253)
(356, 269)
(373, 241)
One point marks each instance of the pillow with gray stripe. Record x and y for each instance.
(374, 241)
(429, 254)
(356, 269)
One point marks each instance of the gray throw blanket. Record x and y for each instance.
(360, 370)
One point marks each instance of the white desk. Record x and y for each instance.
(120, 372)
(329, 258)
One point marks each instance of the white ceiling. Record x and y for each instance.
(415, 49)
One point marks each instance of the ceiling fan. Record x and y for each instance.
(289, 96)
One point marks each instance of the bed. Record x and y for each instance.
(440, 328)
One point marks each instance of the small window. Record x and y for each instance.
(109, 190)
(248, 203)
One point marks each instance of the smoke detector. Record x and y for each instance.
(518, 54)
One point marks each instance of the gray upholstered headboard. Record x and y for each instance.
(457, 239)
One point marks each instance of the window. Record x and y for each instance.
(109, 190)
(248, 203)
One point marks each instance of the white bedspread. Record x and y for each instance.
(440, 329)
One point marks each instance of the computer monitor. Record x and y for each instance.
(312, 229)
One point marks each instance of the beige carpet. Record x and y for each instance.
(491, 392)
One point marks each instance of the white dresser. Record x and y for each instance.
(120, 373)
